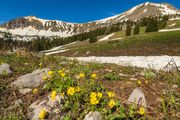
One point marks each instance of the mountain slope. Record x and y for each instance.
(32, 26)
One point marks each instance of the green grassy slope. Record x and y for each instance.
(173, 24)
(156, 43)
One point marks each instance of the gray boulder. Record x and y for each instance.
(26, 82)
(52, 107)
(30, 80)
(93, 116)
(5, 69)
(137, 97)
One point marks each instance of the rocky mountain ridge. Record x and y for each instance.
(32, 26)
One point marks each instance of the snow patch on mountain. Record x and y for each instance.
(106, 37)
(30, 31)
(133, 9)
(145, 10)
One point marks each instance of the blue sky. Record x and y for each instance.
(77, 11)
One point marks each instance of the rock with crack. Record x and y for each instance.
(26, 82)
(137, 97)
(5, 69)
(93, 116)
(52, 107)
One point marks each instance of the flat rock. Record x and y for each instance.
(25, 90)
(5, 69)
(133, 79)
(53, 107)
(30, 80)
(93, 116)
(137, 97)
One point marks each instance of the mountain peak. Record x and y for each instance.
(30, 17)
(34, 26)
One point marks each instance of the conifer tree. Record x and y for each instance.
(152, 25)
(128, 28)
(92, 38)
(136, 29)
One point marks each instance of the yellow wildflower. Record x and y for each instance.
(43, 114)
(94, 100)
(99, 95)
(71, 91)
(35, 91)
(93, 76)
(141, 111)
(50, 73)
(53, 94)
(111, 103)
(139, 82)
(60, 71)
(77, 89)
(81, 75)
(93, 94)
(45, 78)
(62, 74)
(111, 94)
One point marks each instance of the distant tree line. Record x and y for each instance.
(152, 24)
(44, 43)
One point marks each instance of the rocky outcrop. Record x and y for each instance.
(93, 116)
(52, 107)
(31, 80)
(137, 97)
(41, 27)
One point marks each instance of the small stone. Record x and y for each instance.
(133, 79)
(5, 69)
(93, 116)
(88, 52)
(137, 97)
(174, 86)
